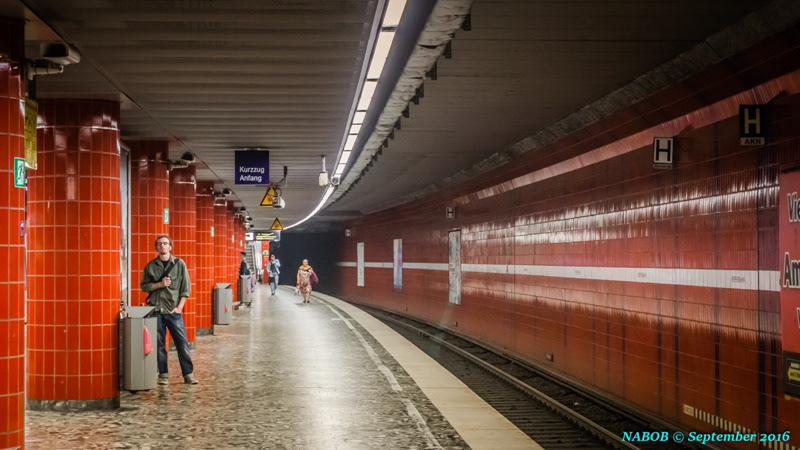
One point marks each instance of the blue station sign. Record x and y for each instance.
(252, 167)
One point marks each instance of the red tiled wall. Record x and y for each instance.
(221, 241)
(12, 244)
(74, 252)
(182, 226)
(204, 248)
(238, 224)
(657, 346)
(149, 198)
(232, 267)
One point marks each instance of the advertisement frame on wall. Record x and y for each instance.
(789, 266)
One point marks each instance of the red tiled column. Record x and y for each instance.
(237, 245)
(221, 241)
(149, 198)
(204, 247)
(12, 244)
(233, 256)
(182, 226)
(74, 257)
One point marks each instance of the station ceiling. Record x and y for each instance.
(213, 77)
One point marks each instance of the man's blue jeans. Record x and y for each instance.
(173, 322)
(273, 285)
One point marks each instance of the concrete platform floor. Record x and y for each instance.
(288, 375)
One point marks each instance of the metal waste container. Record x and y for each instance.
(245, 296)
(222, 304)
(140, 369)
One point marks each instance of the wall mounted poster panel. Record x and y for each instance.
(454, 267)
(360, 251)
(397, 265)
(789, 253)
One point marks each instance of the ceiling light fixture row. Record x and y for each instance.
(432, 74)
(391, 19)
(394, 10)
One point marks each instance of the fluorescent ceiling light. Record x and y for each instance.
(393, 13)
(345, 157)
(366, 94)
(355, 129)
(340, 169)
(359, 117)
(382, 47)
(351, 140)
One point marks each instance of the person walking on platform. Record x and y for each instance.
(273, 271)
(166, 280)
(305, 277)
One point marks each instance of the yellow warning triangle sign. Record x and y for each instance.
(276, 226)
(267, 200)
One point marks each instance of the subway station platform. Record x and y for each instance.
(290, 375)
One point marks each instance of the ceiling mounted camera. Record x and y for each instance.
(323, 176)
(60, 53)
(188, 157)
(227, 192)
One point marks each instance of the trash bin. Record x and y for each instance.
(140, 369)
(223, 304)
(245, 295)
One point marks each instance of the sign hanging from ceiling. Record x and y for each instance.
(252, 167)
(273, 236)
(268, 198)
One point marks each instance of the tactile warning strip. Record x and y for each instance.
(729, 426)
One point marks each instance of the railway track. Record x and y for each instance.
(553, 413)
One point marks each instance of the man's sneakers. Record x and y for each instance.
(163, 379)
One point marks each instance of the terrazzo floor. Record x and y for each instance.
(283, 375)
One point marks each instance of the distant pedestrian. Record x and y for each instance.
(243, 269)
(273, 272)
(305, 277)
(166, 279)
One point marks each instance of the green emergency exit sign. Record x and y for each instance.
(166, 216)
(19, 173)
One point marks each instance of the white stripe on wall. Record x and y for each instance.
(764, 280)
(425, 266)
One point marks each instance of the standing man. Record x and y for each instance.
(243, 269)
(166, 280)
(273, 269)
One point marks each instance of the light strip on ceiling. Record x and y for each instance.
(382, 47)
(391, 19)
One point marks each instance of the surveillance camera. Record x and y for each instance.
(249, 219)
(60, 53)
(226, 192)
(242, 209)
(335, 181)
(278, 202)
(188, 157)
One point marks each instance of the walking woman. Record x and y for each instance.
(305, 276)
